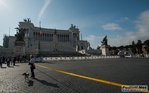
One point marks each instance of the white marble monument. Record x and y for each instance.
(105, 50)
(105, 47)
(19, 48)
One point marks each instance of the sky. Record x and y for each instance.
(123, 21)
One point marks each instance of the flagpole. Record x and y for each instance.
(9, 31)
(39, 34)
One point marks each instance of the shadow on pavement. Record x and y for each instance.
(30, 83)
(47, 83)
(3, 67)
(58, 81)
(10, 66)
(17, 65)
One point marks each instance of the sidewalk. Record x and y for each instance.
(11, 77)
(12, 80)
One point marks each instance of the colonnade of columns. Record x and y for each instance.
(49, 37)
(63, 38)
(43, 37)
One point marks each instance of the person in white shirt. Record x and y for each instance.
(32, 66)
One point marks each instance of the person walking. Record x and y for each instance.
(4, 59)
(11, 62)
(14, 60)
(32, 66)
(1, 62)
(20, 58)
(8, 61)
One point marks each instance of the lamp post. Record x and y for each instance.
(76, 43)
(39, 44)
(39, 35)
(27, 30)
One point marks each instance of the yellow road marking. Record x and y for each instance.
(94, 79)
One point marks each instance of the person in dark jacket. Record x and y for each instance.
(14, 60)
(4, 59)
(8, 59)
(1, 62)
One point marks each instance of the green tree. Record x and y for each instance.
(121, 47)
(146, 42)
(139, 46)
(128, 46)
(112, 48)
(133, 47)
(6, 41)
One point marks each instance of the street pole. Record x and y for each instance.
(27, 31)
(28, 37)
(39, 35)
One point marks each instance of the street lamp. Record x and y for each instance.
(40, 34)
(27, 30)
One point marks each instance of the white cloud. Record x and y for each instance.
(125, 18)
(47, 2)
(3, 5)
(111, 26)
(141, 33)
(91, 38)
(143, 25)
(94, 40)
(122, 19)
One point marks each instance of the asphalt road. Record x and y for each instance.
(87, 76)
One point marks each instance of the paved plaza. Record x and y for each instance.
(86, 76)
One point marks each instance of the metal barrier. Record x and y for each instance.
(78, 58)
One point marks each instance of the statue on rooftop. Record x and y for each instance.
(55, 32)
(73, 26)
(27, 20)
(104, 41)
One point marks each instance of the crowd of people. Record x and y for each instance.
(11, 60)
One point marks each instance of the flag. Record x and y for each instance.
(40, 33)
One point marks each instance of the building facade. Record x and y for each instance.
(50, 40)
